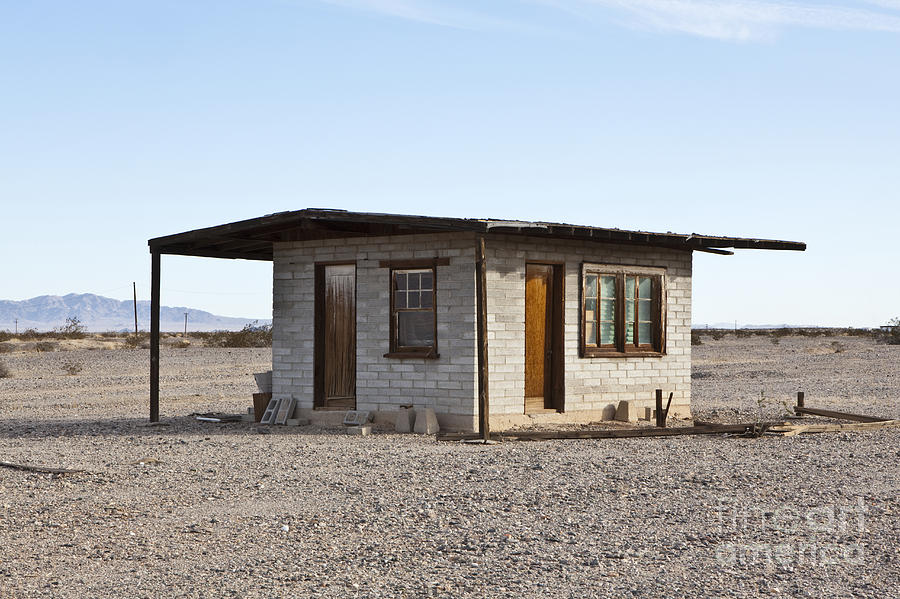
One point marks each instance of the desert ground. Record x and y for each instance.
(193, 509)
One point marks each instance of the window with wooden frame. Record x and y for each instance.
(622, 311)
(413, 315)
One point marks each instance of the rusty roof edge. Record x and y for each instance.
(493, 226)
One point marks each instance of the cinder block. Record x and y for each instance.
(405, 420)
(359, 430)
(426, 422)
(625, 412)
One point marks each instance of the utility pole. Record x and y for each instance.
(135, 309)
(17, 327)
(185, 324)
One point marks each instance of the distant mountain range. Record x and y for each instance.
(99, 313)
(730, 326)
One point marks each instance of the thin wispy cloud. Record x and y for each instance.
(731, 20)
(749, 20)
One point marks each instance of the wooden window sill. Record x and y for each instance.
(618, 354)
(408, 355)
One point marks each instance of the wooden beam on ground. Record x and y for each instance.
(484, 412)
(791, 430)
(154, 336)
(618, 433)
(838, 415)
(41, 469)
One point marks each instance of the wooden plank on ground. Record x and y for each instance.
(41, 469)
(621, 433)
(838, 415)
(789, 430)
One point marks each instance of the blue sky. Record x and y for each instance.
(122, 121)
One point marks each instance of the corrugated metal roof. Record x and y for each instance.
(253, 239)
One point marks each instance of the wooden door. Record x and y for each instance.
(542, 334)
(336, 337)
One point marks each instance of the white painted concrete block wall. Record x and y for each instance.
(590, 383)
(448, 384)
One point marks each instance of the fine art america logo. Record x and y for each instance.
(812, 536)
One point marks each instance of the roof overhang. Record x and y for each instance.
(254, 239)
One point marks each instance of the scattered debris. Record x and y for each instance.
(789, 430)
(217, 417)
(362, 430)
(41, 469)
(356, 417)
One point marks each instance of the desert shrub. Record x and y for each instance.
(31, 335)
(717, 334)
(837, 346)
(73, 329)
(44, 346)
(5, 335)
(181, 344)
(249, 336)
(72, 367)
(775, 339)
(5, 372)
(695, 338)
(5, 348)
(136, 341)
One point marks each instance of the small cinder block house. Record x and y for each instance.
(490, 323)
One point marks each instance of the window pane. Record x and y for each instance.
(644, 287)
(400, 280)
(629, 310)
(412, 280)
(412, 299)
(590, 305)
(608, 287)
(607, 333)
(426, 298)
(644, 310)
(426, 280)
(399, 299)
(607, 309)
(629, 287)
(590, 333)
(629, 332)
(644, 330)
(590, 286)
(415, 329)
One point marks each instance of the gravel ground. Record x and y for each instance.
(194, 509)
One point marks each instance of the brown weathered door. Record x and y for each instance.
(542, 331)
(338, 337)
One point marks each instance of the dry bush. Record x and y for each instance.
(249, 336)
(6, 336)
(32, 335)
(137, 341)
(837, 346)
(5, 348)
(73, 329)
(72, 367)
(45, 346)
(5, 372)
(695, 338)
